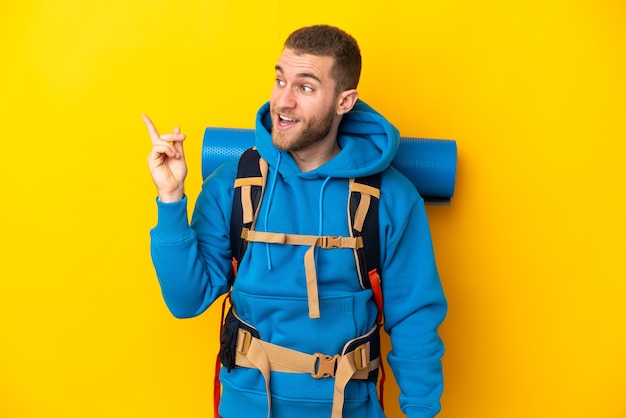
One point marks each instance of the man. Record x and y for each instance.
(306, 301)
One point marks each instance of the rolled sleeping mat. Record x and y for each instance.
(430, 164)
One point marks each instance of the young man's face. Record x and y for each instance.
(303, 103)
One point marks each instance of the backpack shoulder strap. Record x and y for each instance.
(249, 185)
(363, 209)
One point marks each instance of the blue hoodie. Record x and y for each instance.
(193, 265)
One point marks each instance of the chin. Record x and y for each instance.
(279, 140)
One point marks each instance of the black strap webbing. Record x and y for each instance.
(369, 255)
(248, 167)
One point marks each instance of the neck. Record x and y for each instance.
(317, 155)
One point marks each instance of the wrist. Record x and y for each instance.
(170, 197)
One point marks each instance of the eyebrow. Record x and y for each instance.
(300, 75)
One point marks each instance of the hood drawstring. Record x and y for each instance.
(269, 203)
(321, 208)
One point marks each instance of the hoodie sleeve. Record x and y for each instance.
(192, 261)
(414, 302)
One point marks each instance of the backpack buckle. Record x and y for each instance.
(325, 365)
(361, 357)
(333, 242)
(243, 341)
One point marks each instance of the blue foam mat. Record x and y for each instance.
(430, 164)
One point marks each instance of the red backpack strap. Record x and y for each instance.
(217, 387)
(377, 290)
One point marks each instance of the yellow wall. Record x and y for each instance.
(530, 252)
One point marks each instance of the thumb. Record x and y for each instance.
(178, 146)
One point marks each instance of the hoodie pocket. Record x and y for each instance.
(286, 322)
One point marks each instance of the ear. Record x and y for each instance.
(346, 101)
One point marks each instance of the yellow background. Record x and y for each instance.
(531, 253)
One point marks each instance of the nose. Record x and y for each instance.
(284, 97)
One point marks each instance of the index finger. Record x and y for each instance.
(152, 130)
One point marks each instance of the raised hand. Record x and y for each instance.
(167, 162)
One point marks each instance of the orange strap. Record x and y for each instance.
(378, 298)
(217, 392)
(378, 294)
(325, 242)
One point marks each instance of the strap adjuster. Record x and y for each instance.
(325, 365)
(361, 357)
(243, 341)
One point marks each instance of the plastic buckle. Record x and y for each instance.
(361, 357)
(243, 341)
(333, 242)
(325, 365)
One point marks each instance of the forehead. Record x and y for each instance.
(292, 64)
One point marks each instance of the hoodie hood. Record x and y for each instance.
(368, 145)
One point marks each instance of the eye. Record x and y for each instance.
(307, 89)
(280, 82)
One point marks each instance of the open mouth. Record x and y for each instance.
(285, 121)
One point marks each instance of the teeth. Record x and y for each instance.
(285, 118)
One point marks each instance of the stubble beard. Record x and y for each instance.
(311, 132)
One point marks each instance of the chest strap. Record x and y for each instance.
(252, 352)
(324, 242)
